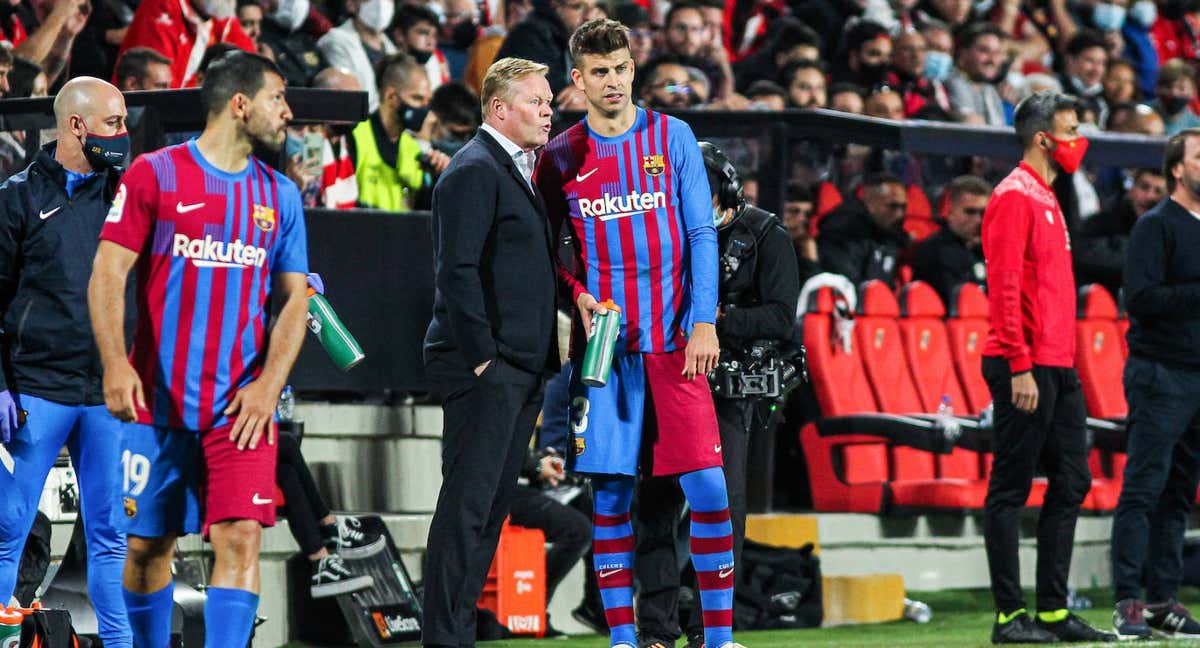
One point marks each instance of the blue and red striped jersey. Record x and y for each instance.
(640, 209)
(208, 242)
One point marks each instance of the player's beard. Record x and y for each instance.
(262, 136)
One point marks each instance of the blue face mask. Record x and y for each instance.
(718, 217)
(106, 151)
(938, 66)
(1143, 13)
(1108, 17)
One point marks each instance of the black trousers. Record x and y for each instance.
(304, 506)
(1162, 470)
(661, 556)
(487, 424)
(568, 531)
(1054, 435)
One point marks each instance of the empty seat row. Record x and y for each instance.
(879, 387)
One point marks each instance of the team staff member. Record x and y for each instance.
(759, 287)
(1028, 363)
(492, 337)
(50, 219)
(631, 185)
(218, 237)
(1162, 378)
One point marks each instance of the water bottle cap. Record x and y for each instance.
(608, 303)
(10, 617)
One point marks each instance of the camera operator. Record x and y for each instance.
(759, 287)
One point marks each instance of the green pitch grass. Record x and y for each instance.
(960, 619)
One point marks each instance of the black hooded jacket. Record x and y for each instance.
(543, 38)
(849, 243)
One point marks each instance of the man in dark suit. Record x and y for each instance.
(491, 339)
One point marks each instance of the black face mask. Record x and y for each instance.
(421, 57)
(1173, 105)
(1175, 9)
(872, 74)
(413, 118)
(339, 130)
(464, 34)
(449, 146)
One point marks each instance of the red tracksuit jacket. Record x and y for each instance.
(1031, 284)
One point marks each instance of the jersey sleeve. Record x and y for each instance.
(695, 199)
(290, 252)
(131, 217)
(1006, 231)
(548, 179)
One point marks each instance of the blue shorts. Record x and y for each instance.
(182, 481)
(646, 393)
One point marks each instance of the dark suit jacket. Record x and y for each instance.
(495, 276)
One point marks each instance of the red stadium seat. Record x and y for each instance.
(1098, 355)
(968, 327)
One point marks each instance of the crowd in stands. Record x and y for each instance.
(851, 210)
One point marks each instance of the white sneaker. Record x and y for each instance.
(352, 542)
(332, 578)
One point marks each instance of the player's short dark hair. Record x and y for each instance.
(790, 70)
(1085, 39)
(968, 185)
(410, 15)
(862, 33)
(846, 86)
(1036, 114)
(21, 76)
(233, 73)
(395, 70)
(872, 180)
(676, 7)
(796, 191)
(965, 36)
(136, 62)
(787, 32)
(454, 103)
(1174, 154)
(600, 37)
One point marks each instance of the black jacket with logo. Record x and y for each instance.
(849, 243)
(47, 244)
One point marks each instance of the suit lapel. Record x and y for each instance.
(507, 162)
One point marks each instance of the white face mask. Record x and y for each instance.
(376, 15)
(290, 14)
(219, 8)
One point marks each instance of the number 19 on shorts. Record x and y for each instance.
(137, 472)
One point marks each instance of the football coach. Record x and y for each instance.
(492, 337)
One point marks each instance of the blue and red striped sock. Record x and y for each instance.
(612, 549)
(712, 551)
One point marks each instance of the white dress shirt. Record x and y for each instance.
(524, 160)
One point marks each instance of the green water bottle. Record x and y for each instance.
(341, 346)
(602, 344)
(10, 628)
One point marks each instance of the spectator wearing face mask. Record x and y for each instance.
(456, 34)
(1175, 91)
(1085, 63)
(868, 53)
(415, 30)
(1140, 48)
(360, 45)
(920, 93)
(973, 87)
(390, 165)
(176, 29)
(296, 51)
(805, 84)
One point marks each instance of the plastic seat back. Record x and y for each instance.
(967, 327)
(1099, 357)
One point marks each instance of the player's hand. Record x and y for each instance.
(123, 394)
(438, 161)
(587, 306)
(702, 351)
(1025, 392)
(570, 98)
(551, 469)
(254, 405)
(8, 416)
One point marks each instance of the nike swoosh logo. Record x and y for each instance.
(725, 573)
(581, 178)
(47, 214)
(256, 500)
(717, 449)
(183, 209)
(606, 574)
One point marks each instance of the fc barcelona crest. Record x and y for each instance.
(264, 218)
(653, 164)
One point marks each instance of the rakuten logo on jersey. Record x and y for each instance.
(610, 206)
(211, 253)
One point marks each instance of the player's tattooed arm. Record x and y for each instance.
(254, 404)
(106, 303)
